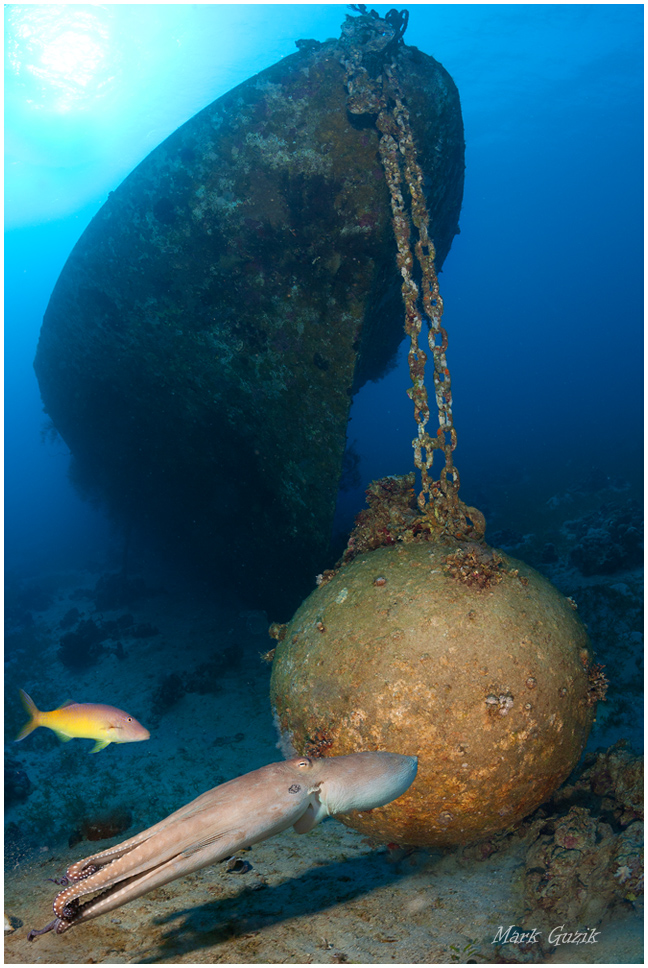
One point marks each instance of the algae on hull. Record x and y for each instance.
(203, 342)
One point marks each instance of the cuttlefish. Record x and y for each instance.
(299, 793)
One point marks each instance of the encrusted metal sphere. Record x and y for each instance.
(485, 681)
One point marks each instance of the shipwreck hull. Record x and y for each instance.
(202, 345)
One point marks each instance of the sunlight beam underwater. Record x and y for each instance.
(299, 793)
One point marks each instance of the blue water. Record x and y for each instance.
(544, 310)
(543, 288)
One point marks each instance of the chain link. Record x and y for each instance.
(382, 96)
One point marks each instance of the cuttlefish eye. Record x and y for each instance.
(304, 763)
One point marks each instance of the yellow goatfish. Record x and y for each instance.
(84, 720)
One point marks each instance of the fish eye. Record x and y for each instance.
(305, 763)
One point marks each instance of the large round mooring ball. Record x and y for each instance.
(481, 672)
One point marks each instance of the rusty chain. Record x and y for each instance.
(364, 39)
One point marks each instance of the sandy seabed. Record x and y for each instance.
(327, 897)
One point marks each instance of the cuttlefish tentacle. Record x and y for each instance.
(299, 792)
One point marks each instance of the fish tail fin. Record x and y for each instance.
(33, 712)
